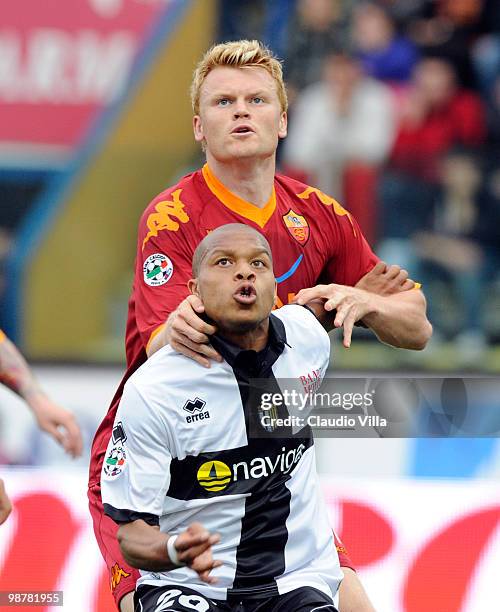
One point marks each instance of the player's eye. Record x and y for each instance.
(258, 263)
(223, 262)
(223, 101)
(257, 100)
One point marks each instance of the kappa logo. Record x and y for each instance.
(195, 409)
(163, 218)
(327, 201)
(117, 573)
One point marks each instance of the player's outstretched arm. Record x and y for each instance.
(187, 333)
(5, 504)
(398, 320)
(56, 421)
(145, 547)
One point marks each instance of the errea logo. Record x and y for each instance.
(195, 409)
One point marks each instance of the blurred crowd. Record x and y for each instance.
(395, 111)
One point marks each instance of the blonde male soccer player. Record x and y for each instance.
(240, 104)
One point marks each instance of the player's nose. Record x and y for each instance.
(244, 271)
(240, 108)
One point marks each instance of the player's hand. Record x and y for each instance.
(351, 304)
(5, 504)
(385, 280)
(57, 422)
(189, 334)
(194, 548)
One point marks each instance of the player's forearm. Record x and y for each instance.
(15, 373)
(144, 547)
(400, 320)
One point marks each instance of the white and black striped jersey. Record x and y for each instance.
(188, 445)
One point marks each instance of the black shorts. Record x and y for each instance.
(173, 598)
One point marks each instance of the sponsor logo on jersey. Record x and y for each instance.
(327, 201)
(117, 573)
(311, 381)
(157, 269)
(164, 217)
(215, 476)
(115, 461)
(195, 409)
(297, 226)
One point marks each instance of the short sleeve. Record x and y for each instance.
(163, 263)
(352, 256)
(136, 469)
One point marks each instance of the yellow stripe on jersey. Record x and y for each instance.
(327, 201)
(2, 336)
(153, 335)
(260, 216)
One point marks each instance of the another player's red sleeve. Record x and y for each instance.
(344, 558)
(163, 264)
(352, 256)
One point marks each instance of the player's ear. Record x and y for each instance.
(198, 129)
(282, 130)
(275, 293)
(193, 287)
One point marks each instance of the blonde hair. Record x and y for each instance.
(238, 54)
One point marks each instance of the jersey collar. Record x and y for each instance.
(256, 363)
(260, 216)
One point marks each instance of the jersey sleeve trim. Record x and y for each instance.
(153, 335)
(128, 516)
(2, 336)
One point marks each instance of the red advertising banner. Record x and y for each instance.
(418, 545)
(60, 62)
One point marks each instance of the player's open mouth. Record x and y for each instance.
(245, 294)
(242, 129)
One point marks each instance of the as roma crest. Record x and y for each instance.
(297, 226)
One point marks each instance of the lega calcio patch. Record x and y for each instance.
(157, 269)
(115, 461)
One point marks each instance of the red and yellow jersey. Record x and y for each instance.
(311, 236)
(313, 240)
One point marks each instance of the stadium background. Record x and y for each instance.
(94, 121)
